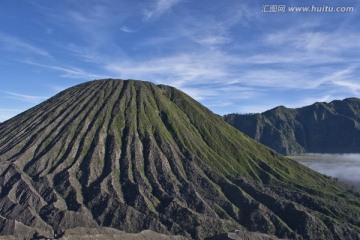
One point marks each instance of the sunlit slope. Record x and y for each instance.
(133, 155)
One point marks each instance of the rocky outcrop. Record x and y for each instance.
(134, 156)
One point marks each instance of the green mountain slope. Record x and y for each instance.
(132, 155)
(319, 128)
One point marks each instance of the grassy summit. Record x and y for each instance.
(133, 155)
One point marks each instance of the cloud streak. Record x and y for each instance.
(68, 72)
(14, 44)
(26, 98)
(159, 8)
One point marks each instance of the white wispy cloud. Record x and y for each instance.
(353, 87)
(311, 46)
(15, 44)
(127, 29)
(342, 74)
(68, 72)
(275, 78)
(26, 98)
(344, 78)
(314, 40)
(160, 7)
(209, 36)
(245, 14)
(178, 70)
(214, 40)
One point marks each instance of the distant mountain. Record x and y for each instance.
(319, 128)
(132, 155)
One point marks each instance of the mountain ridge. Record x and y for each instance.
(322, 127)
(132, 155)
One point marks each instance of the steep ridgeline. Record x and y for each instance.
(319, 128)
(132, 155)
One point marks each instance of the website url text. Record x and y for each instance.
(310, 9)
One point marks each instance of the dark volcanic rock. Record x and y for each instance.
(132, 156)
(319, 128)
(17, 230)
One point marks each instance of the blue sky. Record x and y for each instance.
(229, 55)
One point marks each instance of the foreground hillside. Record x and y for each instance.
(319, 128)
(132, 155)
